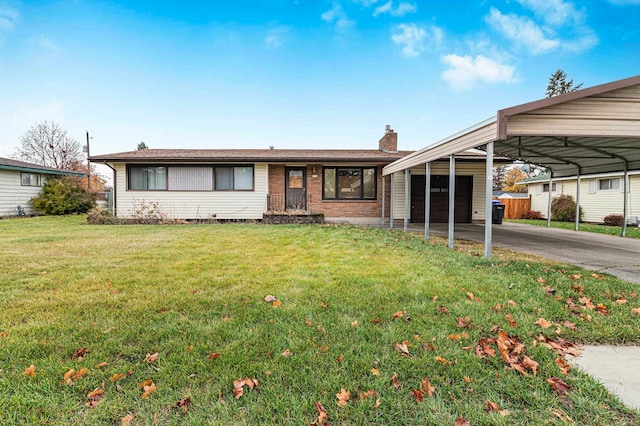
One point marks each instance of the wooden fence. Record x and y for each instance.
(515, 208)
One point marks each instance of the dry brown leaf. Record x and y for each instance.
(375, 371)
(368, 394)
(269, 298)
(403, 348)
(340, 357)
(602, 309)
(467, 379)
(395, 382)
(575, 277)
(95, 397)
(462, 322)
(213, 356)
(559, 386)
(126, 420)
(322, 415)
(491, 406)
(116, 377)
(454, 337)
(80, 353)
(101, 365)
(543, 323)
(542, 280)
(418, 394)
(276, 304)
(354, 323)
(287, 353)
(636, 310)
(570, 325)
(443, 309)
(620, 300)
(563, 366)
(184, 403)
(426, 387)
(511, 321)
(398, 314)
(597, 276)
(145, 383)
(150, 358)
(443, 361)
(530, 364)
(67, 378)
(470, 295)
(309, 323)
(30, 371)
(343, 397)
(148, 389)
(461, 421)
(550, 290)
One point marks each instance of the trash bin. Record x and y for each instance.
(497, 214)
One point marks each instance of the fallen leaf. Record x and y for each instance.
(67, 378)
(343, 397)
(621, 300)
(398, 314)
(418, 394)
(368, 394)
(426, 387)
(443, 361)
(126, 420)
(443, 309)
(570, 325)
(559, 386)
(101, 365)
(543, 323)
(454, 337)
(403, 348)
(377, 404)
(462, 322)
(148, 389)
(597, 276)
(354, 324)
(322, 415)
(636, 310)
(550, 291)
(269, 298)
(491, 406)
(563, 366)
(339, 359)
(575, 277)
(30, 371)
(470, 295)
(530, 364)
(542, 280)
(213, 356)
(602, 309)
(116, 377)
(80, 353)
(95, 397)
(511, 321)
(276, 304)
(395, 382)
(461, 421)
(375, 372)
(287, 353)
(184, 403)
(150, 358)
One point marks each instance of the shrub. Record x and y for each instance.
(563, 209)
(533, 214)
(100, 216)
(63, 195)
(613, 220)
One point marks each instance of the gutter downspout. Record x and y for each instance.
(549, 200)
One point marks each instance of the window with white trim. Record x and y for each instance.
(30, 179)
(147, 178)
(545, 187)
(608, 184)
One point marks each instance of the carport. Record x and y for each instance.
(594, 130)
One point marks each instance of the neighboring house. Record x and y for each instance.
(242, 184)
(600, 194)
(20, 182)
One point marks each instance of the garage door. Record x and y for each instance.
(439, 212)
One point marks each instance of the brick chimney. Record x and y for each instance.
(389, 142)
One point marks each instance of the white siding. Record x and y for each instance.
(195, 204)
(595, 205)
(477, 170)
(13, 194)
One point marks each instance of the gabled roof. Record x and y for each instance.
(594, 130)
(22, 166)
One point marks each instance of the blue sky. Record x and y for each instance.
(294, 73)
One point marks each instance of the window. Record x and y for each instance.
(349, 183)
(545, 187)
(151, 178)
(234, 178)
(606, 184)
(30, 179)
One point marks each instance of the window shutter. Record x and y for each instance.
(558, 187)
(592, 186)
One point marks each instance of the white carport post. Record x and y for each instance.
(452, 196)
(427, 199)
(488, 187)
(392, 201)
(549, 200)
(384, 179)
(577, 226)
(625, 199)
(406, 200)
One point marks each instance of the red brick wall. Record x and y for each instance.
(333, 208)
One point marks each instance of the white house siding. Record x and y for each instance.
(13, 194)
(594, 203)
(477, 170)
(242, 205)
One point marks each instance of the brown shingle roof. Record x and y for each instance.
(261, 155)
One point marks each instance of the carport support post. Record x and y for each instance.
(452, 196)
(384, 179)
(549, 200)
(625, 188)
(406, 200)
(488, 187)
(577, 227)
(427, 199)
(391, 203)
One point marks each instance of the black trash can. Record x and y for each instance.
(497, 214)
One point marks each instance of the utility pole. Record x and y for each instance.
(88, 165)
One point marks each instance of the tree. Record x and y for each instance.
(63, 195)
(45, 143)
(558, 84)
(511, 178)
(142, 146)
(498, 177)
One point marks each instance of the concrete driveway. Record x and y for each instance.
(598, 252)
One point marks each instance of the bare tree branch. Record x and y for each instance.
(47, 144)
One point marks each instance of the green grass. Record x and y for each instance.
(632, 231)
(189, 291)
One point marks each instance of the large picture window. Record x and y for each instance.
(30, 179)
(349, 183)
(150, 178)
(190, 178)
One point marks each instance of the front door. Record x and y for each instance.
(296, 188)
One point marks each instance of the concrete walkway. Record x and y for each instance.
(597, 252)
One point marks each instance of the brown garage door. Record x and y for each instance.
(439, 212)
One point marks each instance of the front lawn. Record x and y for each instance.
(632, 231)
(370, 326)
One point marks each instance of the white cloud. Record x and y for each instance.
(402, 9)
(366, 3)
(522, 31)
(46, 43)
(554, 12)
(464, 71)
(8, 18)
(414, 39)
(337, 16)
(276, 36)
